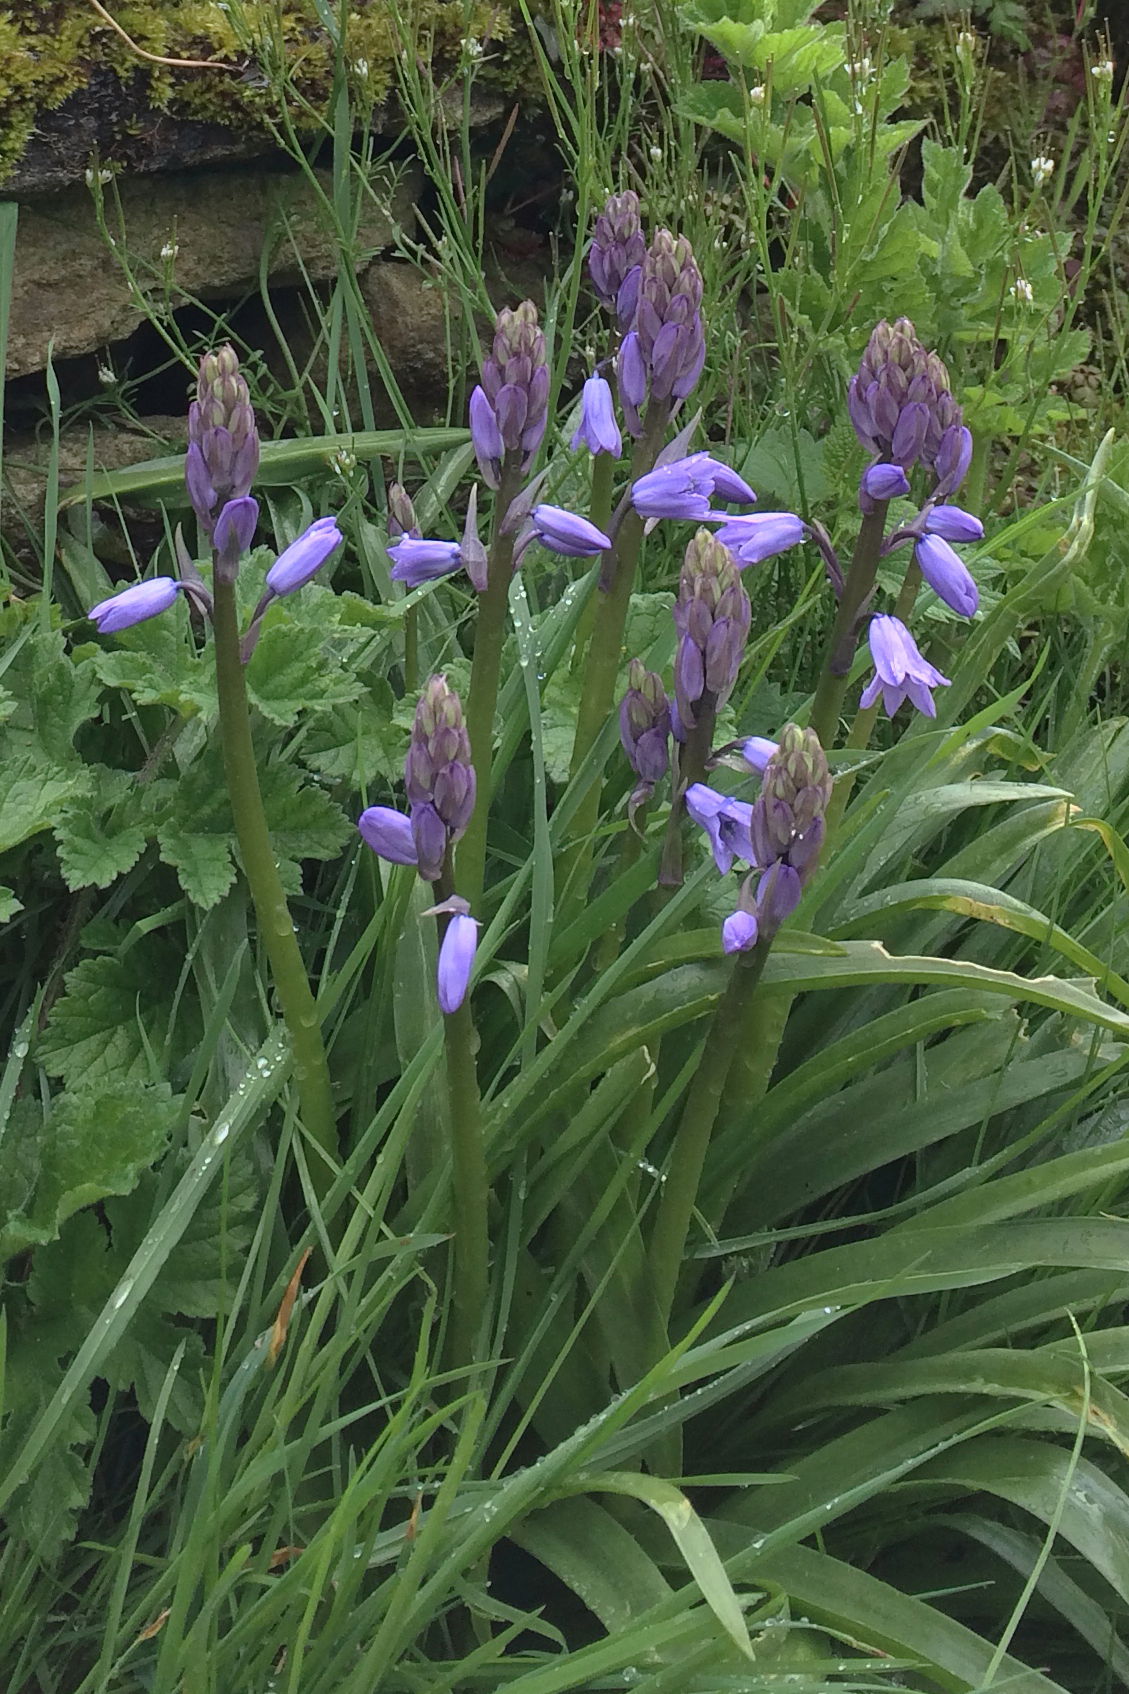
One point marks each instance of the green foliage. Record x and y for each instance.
(878, 1440)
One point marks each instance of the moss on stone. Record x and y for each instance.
(51, 49)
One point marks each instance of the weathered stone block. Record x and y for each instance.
(181, 234)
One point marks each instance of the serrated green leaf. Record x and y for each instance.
(289, 674)
(112, 1015)
(9, 905)
(203, 862)
(98, 834)
(96, 1141)
(355, 744)
(31, 794)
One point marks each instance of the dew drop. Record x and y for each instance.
(19, 1051)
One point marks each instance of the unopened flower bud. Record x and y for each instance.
(616, 255)
(223, 442)
(509, 409)
(439, 776)
(712, 615)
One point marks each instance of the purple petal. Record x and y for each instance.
(761, 535)
(486, 437)
(565, 532)
(134, 605)
(728, 486)
(739, 932)
(200, 490)
(631, 371)
(598, 430)
(888, 639)
(954, 524)
(947, 575)
(456, 957)
(388, 833)
(304, 557)
(758, 750)
(415, 560)
(884, 482)
(235, 527)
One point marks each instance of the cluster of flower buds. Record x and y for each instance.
(644, 729)
(440, 782)
(903, 412)
(223, 442)
(662, 355)
(223, 454)
(510, 408)
(781, 835)
(712, 615)
(615, 258)
(438, 776)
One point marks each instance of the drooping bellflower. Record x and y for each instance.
(900, 671)
(757, 536)
(712, 615)
(597, 429)
(682, 489)
(509, 409)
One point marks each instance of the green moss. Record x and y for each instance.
(50, 49)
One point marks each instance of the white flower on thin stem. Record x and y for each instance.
(1042, 170)
(1022, 292)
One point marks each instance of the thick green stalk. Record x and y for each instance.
(857, 589)
(727, 1032)
(599, 513)
(605, 651)
(693, 760)
(276, 928)
(471, 1193)
(485, 671)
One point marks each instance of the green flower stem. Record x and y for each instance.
(857, 590)
(411, 651)
(599, 513)
(728, 1031)
(276, 927)
(693, 759)
(485, 671)
(471, 1193)
(605, 651)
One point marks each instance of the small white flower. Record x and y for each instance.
(859, 70)
(101, 177)
(757, 95)
(966, 45)
(1022, 292)
(360, 69)
(169, 251)
(1102, 71)
(106, 376)
(470, 48)
(344, 462)
(1042, 170)
(656, 154)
